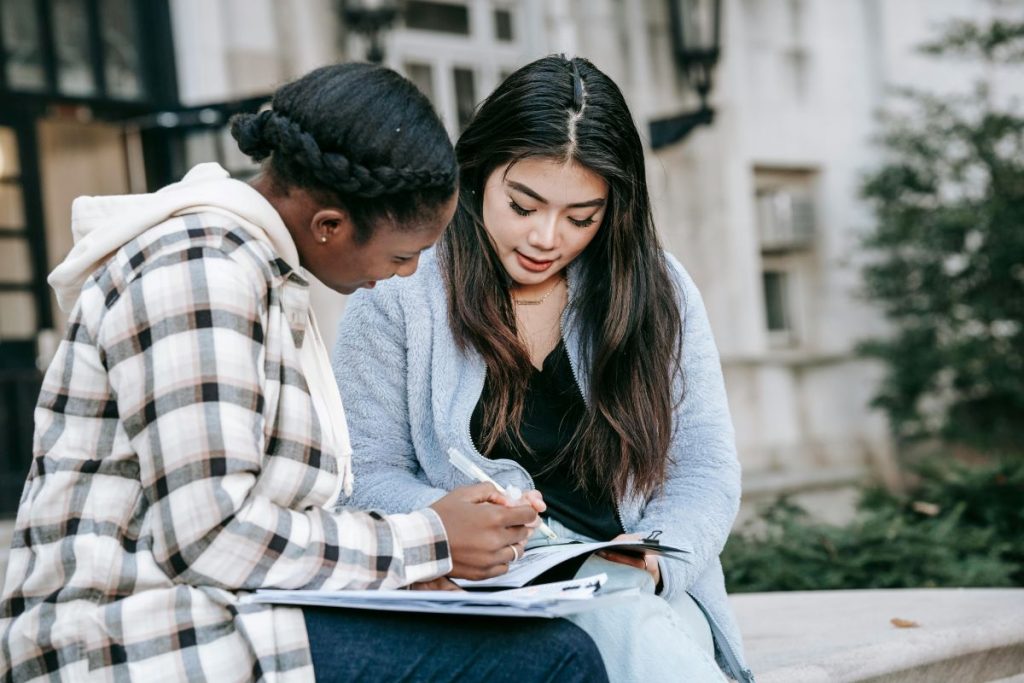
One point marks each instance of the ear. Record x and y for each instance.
(331, 225)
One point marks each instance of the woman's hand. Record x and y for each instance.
(441, 583)
(647, 561)
(485, 532)
(533, 498)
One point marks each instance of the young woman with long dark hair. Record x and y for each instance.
(190, 440)
(550, 338)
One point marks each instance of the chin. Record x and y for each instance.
(521, 276)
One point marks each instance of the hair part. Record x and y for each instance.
(396, 164)
(626, 306)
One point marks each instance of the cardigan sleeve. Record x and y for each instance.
(698, 504)
(372, 369)
(184, 347)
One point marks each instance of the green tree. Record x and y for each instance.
(947, 261)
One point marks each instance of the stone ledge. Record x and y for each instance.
(963, 635)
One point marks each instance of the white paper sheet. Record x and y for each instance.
(547, 600)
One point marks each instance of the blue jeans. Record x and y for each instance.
(355, 645)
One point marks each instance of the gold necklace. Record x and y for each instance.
(537, 302)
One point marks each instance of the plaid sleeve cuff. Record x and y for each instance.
(421, 546)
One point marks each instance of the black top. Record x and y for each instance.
(552, 409)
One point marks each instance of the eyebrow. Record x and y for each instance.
(527, 191)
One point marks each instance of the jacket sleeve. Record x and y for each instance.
(371, 366)
(184, 348)
(699, 502)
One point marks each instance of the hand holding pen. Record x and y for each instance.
(470, 469)
(485, 534)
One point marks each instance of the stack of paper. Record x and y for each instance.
(545, 600)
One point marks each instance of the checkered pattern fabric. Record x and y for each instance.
(177, 465)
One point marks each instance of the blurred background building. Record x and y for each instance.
(758, 198)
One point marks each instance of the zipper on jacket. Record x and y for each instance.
(576, 378)
(476, 450)
(719, 635)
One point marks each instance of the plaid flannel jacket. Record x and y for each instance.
(178, 464)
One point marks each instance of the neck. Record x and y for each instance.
(536, 291)
(291, 205)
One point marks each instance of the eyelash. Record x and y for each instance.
(520, 210)
(585, 223)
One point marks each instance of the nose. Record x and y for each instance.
(544, 234)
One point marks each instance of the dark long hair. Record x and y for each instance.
(627, 307)
(359, 135)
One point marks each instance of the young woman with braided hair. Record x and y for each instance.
(190, 439)
(550, 338)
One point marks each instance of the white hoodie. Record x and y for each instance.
(102, 225)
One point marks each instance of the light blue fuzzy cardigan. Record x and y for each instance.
(409, 394)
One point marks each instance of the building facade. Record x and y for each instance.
(762, 206)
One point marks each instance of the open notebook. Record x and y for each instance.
(556, 562)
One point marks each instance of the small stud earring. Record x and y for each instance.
(323, 239)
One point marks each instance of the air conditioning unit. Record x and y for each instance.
(785, 219)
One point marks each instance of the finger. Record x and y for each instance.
(518, 550)
(484, 492)
(516, 534)
(536, 499)
(629, 560)
(519, 515)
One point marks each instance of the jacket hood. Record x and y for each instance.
(102, 225)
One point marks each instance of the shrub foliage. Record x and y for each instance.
(948, 253)
(960, 526)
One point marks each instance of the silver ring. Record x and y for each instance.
(515, 552)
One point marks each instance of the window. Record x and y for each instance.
(437, 16)
(22, 44)
(86, 48)
(465, 96)
(17, 302)
(776, 301)
(454, 51)
(71, 39)
(422, 76)
(785, 209)
(503, 25)
(122, 62)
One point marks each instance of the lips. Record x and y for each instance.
(533, 265)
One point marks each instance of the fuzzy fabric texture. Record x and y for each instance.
(409, 394)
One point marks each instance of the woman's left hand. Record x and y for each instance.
(441, 583)
(647, 561)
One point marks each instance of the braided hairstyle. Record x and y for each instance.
(359, 135)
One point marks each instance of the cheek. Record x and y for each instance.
(580, 238)
(498, 225)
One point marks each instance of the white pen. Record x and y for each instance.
(470, 469)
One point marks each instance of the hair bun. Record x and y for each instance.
(250, 131)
